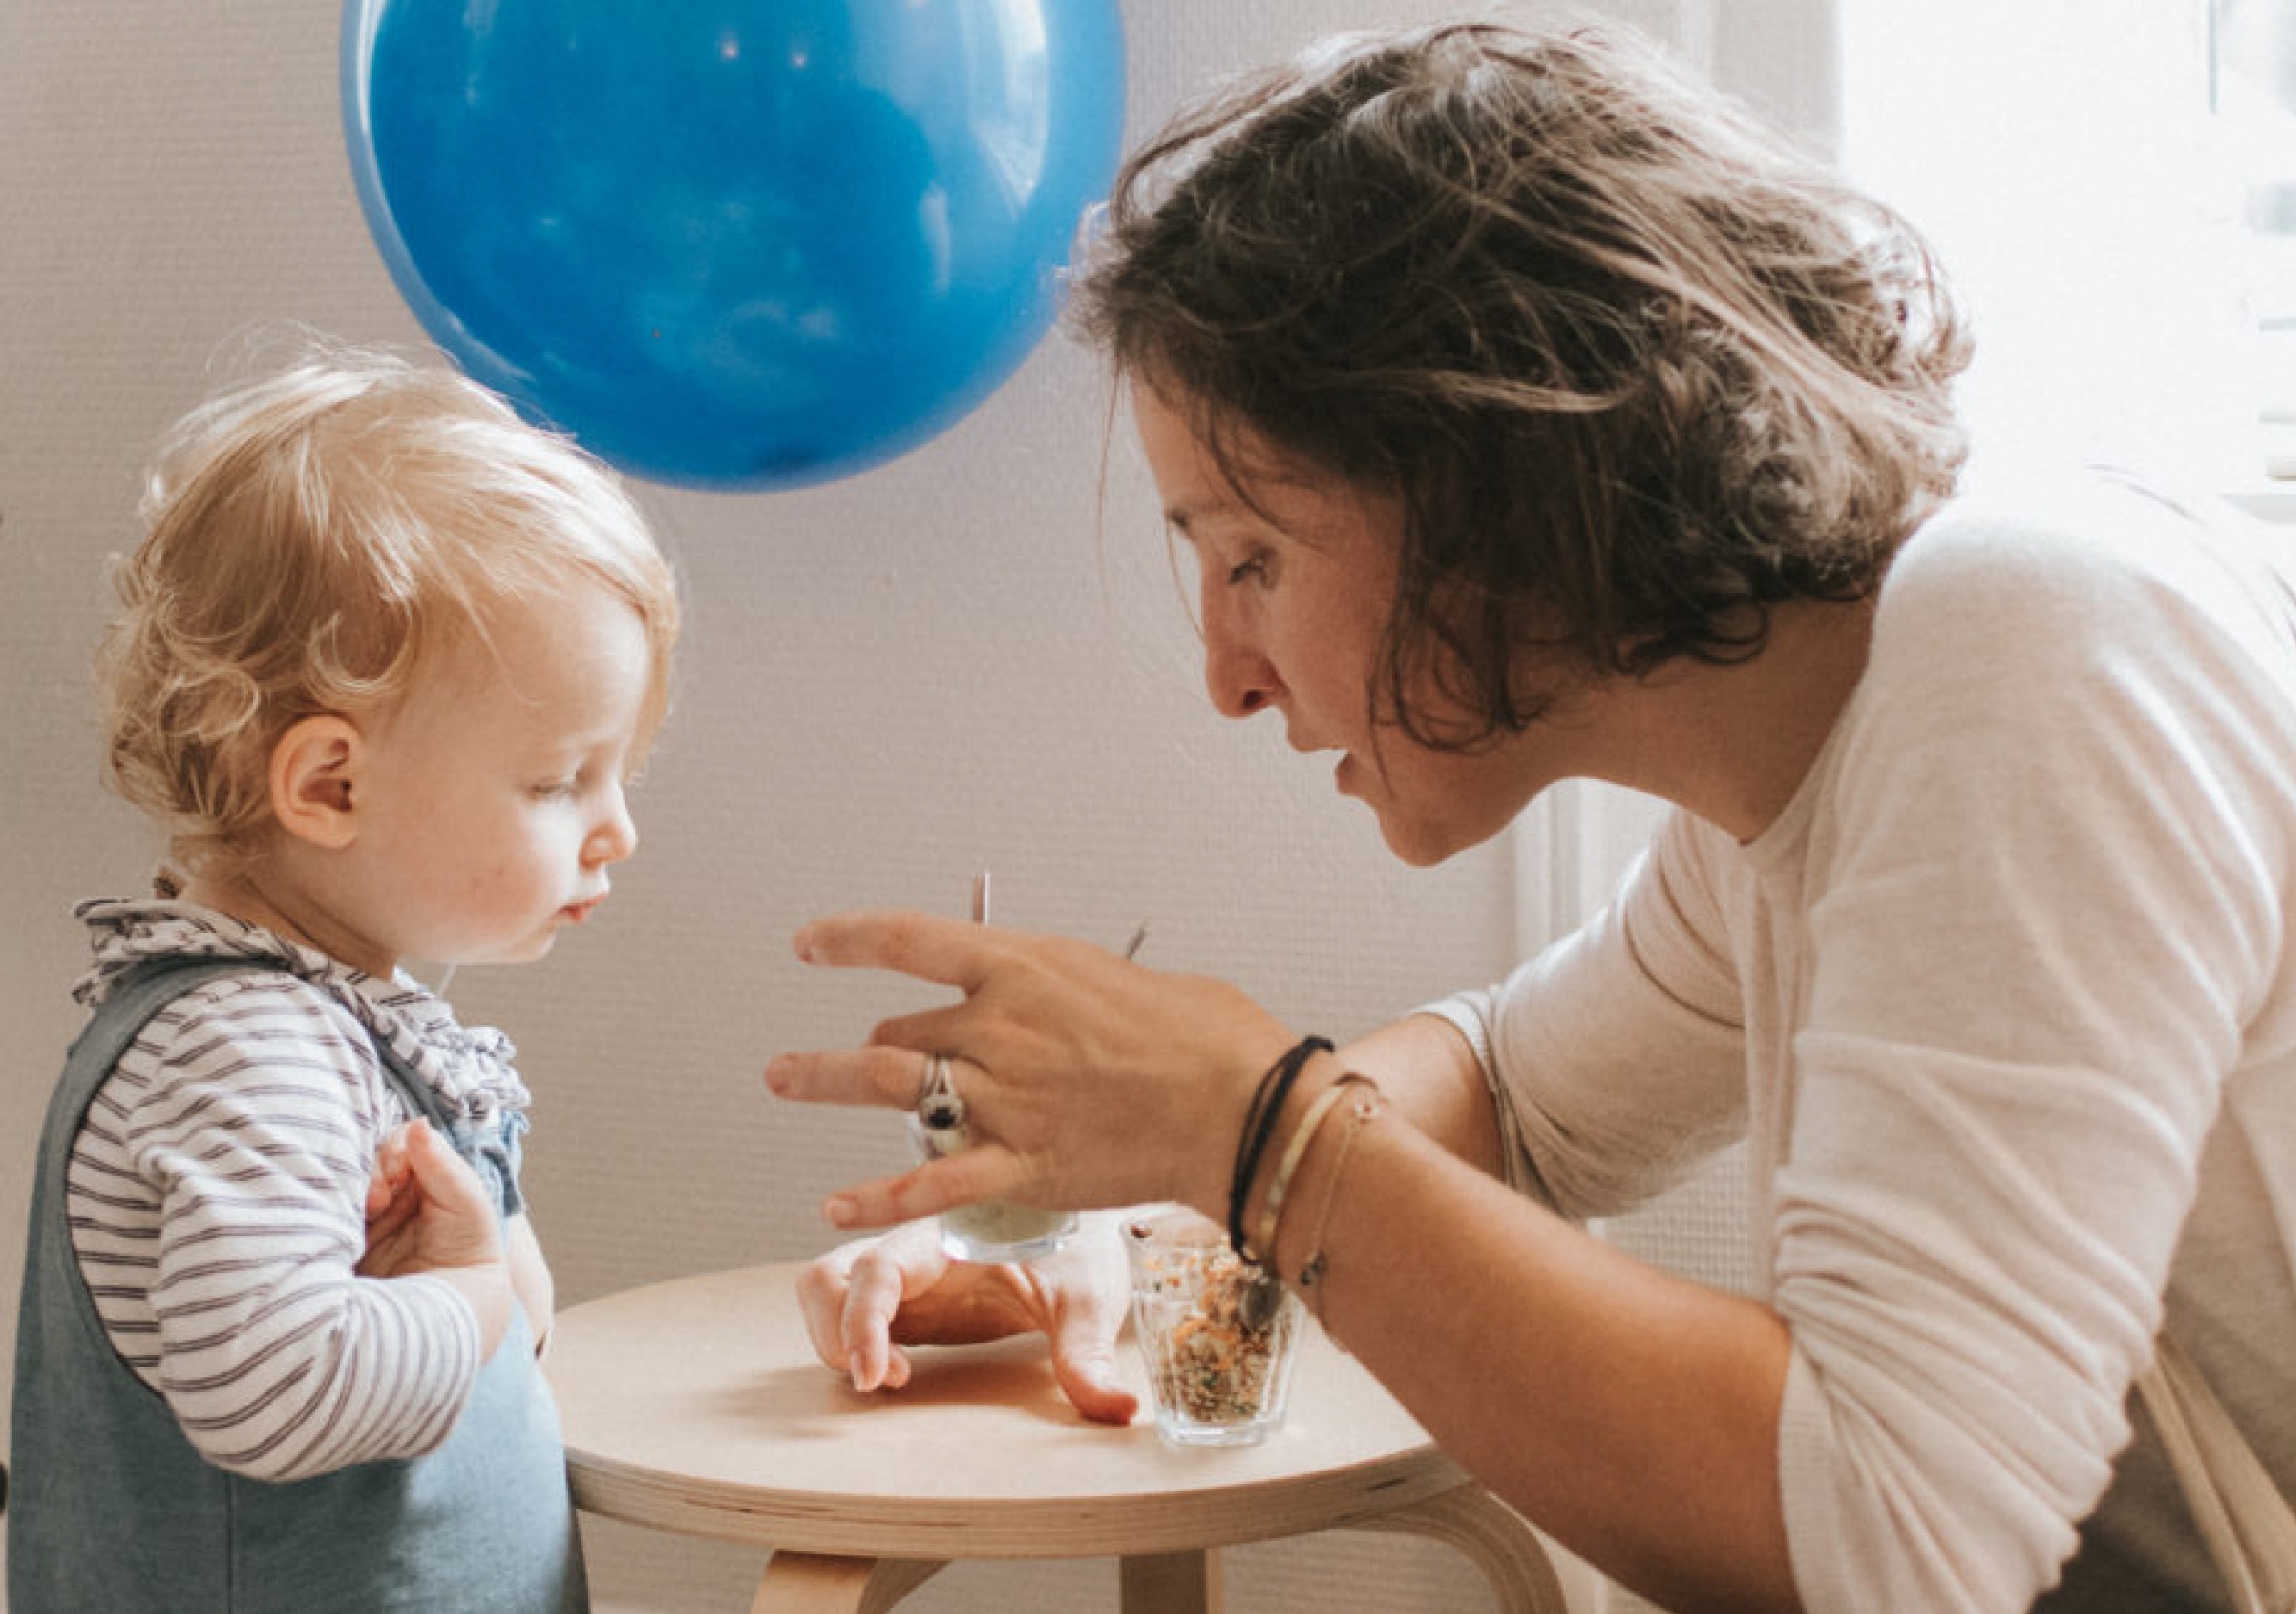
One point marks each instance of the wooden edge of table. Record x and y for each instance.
(1022, 1527)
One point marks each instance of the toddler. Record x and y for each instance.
(387, 658)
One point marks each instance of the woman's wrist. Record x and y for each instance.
(1280, 1190)
(1205, 1167)
(1269, 1103)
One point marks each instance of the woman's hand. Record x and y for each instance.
(863, 1301)
(1088, 1080)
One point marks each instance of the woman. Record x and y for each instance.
(1528, 416)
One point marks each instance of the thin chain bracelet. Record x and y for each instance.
(1365, 1110)
(1271, 1212)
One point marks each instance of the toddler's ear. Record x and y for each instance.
(311, 774)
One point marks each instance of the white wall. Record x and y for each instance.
(2062, 158)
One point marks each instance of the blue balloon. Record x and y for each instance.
(734, 243)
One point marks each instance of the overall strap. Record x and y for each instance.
(146, 989)
(117, 1021)
(152, 984)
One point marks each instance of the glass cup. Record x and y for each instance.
(991, 1231)
(1218, 1334)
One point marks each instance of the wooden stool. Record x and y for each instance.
(698, 1406)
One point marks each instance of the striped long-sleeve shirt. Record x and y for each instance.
(216, 1194)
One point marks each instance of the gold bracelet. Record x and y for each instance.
(1318, 1263)
(1293, 1151)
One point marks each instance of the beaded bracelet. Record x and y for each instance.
(1271, 1211)
(1260, 1126)
(1319, 1264)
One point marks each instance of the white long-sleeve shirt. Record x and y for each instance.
(2004, 1004)
(217, 1192)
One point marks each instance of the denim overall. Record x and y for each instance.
(111, 1510)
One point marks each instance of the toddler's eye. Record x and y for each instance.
(554, 790)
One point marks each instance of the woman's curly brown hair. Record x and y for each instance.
(1635, 371)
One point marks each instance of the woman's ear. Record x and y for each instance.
(313, 767)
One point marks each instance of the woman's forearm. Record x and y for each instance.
(1632, 1414)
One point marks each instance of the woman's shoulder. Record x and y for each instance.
(2035, 570)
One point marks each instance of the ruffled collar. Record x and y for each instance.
(469, 1068)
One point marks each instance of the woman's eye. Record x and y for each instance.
(1253, 570)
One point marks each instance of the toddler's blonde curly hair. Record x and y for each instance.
(312, 537)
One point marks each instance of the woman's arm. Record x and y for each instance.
(866, 1299)
(1635, 1413)
(1632, 1413)
(1429, 1072)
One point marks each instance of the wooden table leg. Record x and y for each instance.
(1499, 1540)
(812, 1583)
(1172, 1583)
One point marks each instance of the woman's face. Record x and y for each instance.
(1296, 584)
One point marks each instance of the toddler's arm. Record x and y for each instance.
(223, 1183)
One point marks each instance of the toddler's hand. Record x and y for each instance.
(391, 1199)
(427, 1211)
(426, 1208)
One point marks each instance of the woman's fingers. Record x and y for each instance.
(1088, 1080)
(925, 945)
(979, 1172)
(882, 1076)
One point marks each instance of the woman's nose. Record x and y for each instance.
(1241, 679)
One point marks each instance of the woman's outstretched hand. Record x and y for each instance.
(865, 1301)
(1088, 1081)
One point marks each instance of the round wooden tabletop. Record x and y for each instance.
(698, 1406)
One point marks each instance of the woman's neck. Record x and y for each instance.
(1732, 743)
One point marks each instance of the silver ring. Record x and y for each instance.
(938, 1107)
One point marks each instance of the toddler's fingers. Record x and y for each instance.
(390, 1176)
(445, 1176)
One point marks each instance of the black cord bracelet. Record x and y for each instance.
(1260, 1126)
